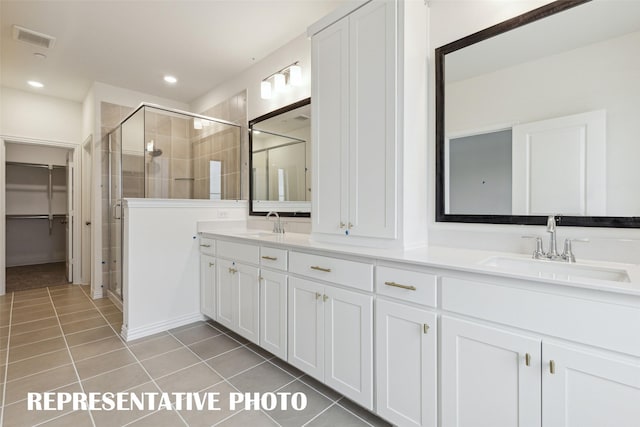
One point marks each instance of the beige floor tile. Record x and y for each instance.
(82, 325)
(160, 419)
(4, 331)
(195, 334)
(120, 418)
(362, 413)
(36, 349)
(31, 302)
(189, 326)
(39, 335)
(162, 344)
(195, 418)
(37, 364)
(316, 403)
(103, 302)
(192, 379)
(74, 419)
(96, 348)
(170, 362)
(30, 295)
(235, 361)
(89, 335)
(109, 310)
(33, 326)
(119, 380)
(337, 416)
(262, 378)
(45, 305)
(114, 318)
(107, 362)
(147, 338)
(63, 302)
(41, 382)
(214, 346)
(253, 419)
(18, 415)
(79, 315)
(74, 308)
(30, 316)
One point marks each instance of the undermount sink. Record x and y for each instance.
(556, 269)
(259, 234)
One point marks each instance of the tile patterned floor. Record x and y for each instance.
(58, 339)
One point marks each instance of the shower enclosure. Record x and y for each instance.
(161, 153)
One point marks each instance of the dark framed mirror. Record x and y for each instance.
(280, 150)
(538, 116)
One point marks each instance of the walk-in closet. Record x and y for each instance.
(37, 198)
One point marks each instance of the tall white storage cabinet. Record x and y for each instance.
(359, 147)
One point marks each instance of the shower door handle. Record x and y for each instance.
(116, 211)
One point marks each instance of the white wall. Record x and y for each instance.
(298, 49)
(449, 21)
(161, 286)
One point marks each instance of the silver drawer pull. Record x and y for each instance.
(205, 246)
(232, 270)
(270, 258)
(398, 285)
(315, 267)
(211, 264)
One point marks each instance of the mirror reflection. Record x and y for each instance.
(280, 155)
(541, 118)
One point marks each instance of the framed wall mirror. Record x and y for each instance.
(280, 147)
(539, 115)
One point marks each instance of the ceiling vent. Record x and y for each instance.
(301, 117)
(33, 37)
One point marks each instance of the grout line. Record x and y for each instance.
(6, 363)
(35, 320)
(39, 372)
(134, 356)
(75, 369)
(321, 412)
(56, 418)
(351, 412)
(34, 342)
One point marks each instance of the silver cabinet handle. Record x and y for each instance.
(205, 246)
(318, 295)
(315, 267)
(325, 298)
(211, 264)
(232, 270)
(270, 258)
(398, 285)
(552, 366)
(425, 328)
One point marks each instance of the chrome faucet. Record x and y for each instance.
(551, 229)
(567, 254)
(278, 226)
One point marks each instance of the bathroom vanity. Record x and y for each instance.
(437, 336)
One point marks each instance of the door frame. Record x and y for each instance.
(75, 153)
(86, 212)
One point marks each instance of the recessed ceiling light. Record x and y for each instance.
(40, 55)
(36, 84)
(170, 79)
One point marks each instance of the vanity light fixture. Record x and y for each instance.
(289, 75)
(36, 84)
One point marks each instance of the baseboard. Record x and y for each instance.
(165, 325)
(115, 300)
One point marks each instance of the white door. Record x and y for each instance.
(406, 364)
(273, 313)
(490, 377)
(68, 227)
(224, 292)
(330, 89)
(247, 302)
(306, 327)
(372, 121)
(348, 338)
(208, 285)
(559, 166)
(588, 389)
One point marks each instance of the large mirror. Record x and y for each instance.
(280, 147)
(540, 115)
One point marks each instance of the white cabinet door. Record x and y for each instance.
(372, 120)
(247, 302)
(208, 285)
(330, 88)
(348, 331)
(486, 380)
(306, 327)
(406, 364)
(224, 293)
(588, 389)
(273, 313)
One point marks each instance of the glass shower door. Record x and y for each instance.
(115, 213)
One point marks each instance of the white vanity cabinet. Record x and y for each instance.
(492, 375)
(331, 328)
(273, 301)
(354, 116)
(238, 288)
(406, 347)
(207, 277)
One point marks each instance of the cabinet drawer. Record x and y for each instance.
(602, 324)
(273, 258)
(238, 251)
(207, 246)
(412, 286)
(349, 273)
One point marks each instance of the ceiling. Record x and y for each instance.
(133, 44)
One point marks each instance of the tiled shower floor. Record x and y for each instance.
(58, 339)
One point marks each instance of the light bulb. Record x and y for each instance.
(295, 75)
(278, 82)
(265, 90)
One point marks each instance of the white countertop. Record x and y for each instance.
(466, 260)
